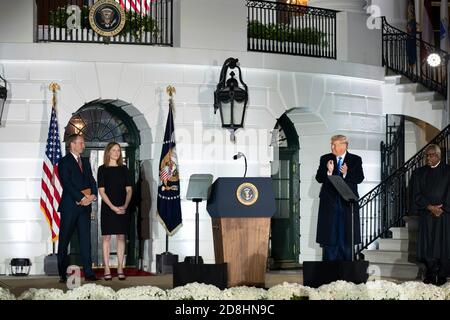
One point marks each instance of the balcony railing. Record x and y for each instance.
(388, 203)
(407, 55)
(291, 29)
(147, 22)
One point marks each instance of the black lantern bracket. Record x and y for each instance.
(228, 92)
(3, 96)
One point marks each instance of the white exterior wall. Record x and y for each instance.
(17, 20)
(335, 103)
(211, 24)
(327, 96)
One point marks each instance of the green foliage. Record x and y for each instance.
(284, 32)
(135, 24)
(58, 17)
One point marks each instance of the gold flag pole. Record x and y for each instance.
(54, 87)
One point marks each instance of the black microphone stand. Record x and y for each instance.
(237, 156)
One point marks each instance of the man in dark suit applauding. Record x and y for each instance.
(79, 191)
(334, 220)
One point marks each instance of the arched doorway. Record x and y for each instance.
(101, 122)
(285, 224)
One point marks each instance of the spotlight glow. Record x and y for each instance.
(434, 60)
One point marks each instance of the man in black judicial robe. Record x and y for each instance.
(334, 222)
(431, 201)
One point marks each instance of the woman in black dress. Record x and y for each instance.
(115, 188)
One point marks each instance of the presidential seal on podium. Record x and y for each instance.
(247, 193)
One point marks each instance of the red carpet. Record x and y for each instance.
(129, 272)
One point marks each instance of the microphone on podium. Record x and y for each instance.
(240, 155)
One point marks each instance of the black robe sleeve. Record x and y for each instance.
(420, 202)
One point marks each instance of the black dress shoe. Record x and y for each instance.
(62, 279)
(91, 278)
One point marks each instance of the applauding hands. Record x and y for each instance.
(330, 168)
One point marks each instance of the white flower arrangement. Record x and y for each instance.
(340, 290)
(91, 291)
(43, 294)
(414, 290)
(6, 295)
(288, 291)
(194, 291)
(383, 290)
(244, 293)
(141, 293)
(446, 289)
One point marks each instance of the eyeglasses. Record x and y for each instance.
(434, 154)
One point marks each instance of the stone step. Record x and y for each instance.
(407, 87)
(393, 244)
(427, 96)
(396, 271)
(392, 79)
(437, 104)
(385, 256)
(399, 233)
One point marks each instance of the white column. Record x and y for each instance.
(341, 5)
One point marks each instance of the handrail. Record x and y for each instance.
(407, 55)
(393, 149)
(384, 206)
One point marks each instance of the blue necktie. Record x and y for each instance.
(339, 164)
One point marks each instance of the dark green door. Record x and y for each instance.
(285, 224)
(101, 123)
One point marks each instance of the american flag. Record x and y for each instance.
(136, 5)
(50, 183)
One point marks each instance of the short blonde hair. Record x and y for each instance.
(339, 137)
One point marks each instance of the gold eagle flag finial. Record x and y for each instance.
(170, 90)
(54, 87)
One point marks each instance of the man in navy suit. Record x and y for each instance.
(75, 174)
(334, 220)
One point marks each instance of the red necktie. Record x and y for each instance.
(79, 163)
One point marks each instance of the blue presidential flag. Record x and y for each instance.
(168, 203)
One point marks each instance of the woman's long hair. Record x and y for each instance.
(106, 156)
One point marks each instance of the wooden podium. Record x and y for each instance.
(241, 209)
